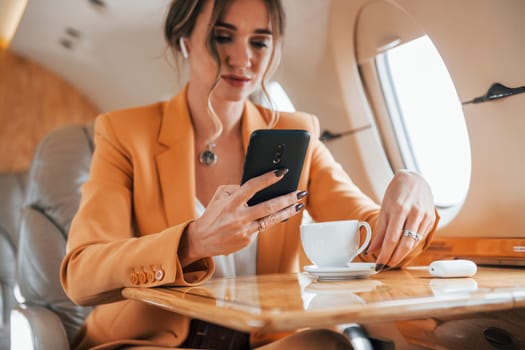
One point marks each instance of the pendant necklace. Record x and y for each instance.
(208, 157)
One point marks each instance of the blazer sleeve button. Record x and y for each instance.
(143, 278)
(151, 276)
(134, 278)
(159, 275)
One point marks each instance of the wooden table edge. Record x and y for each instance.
(275, 320)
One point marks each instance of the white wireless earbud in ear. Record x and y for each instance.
(183, 48)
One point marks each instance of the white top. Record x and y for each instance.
(242, 262)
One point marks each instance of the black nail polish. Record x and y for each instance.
(302, 194)
(285, 220)
(280, 172)
(299, 206)
(382, 267)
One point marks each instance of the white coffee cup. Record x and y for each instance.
(334, 243)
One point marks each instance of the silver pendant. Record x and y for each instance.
(208, 157)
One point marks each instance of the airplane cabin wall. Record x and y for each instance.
(309, 77)
(33, 102)
(479, 40)
(480, 43)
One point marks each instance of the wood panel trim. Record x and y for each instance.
(33, 101)
(506, 251)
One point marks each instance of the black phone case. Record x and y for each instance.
(275, 149)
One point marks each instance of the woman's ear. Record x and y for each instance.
(183, 48)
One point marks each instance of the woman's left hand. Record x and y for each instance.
(407, 215)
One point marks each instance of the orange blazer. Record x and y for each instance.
(138, 200)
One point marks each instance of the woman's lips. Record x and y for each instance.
(235, 80)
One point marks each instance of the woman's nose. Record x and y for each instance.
(240, 56)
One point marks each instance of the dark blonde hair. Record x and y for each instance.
(180, 22)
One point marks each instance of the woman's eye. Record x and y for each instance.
(260, 44)
(222, 39)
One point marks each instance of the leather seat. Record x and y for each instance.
(12, 189)
(60, 166)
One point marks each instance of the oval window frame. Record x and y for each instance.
(370, 40)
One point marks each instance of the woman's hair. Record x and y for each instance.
(180, 22)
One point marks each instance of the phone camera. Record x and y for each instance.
(277, 153)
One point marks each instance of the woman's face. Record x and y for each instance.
(244, 42)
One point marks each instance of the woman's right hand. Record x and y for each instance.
(229, 224)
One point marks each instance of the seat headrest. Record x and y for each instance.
(60, 166)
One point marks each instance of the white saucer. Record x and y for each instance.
(354, 270)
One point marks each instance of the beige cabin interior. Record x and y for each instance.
(70, 61)
(116, 60)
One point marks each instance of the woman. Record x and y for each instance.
(163, 206)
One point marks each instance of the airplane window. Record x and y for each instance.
(279, 97)
(427, 118)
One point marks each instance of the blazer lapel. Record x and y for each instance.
(175, 165)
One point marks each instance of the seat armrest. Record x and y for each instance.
(35, 327)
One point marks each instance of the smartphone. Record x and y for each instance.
(271, 149)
